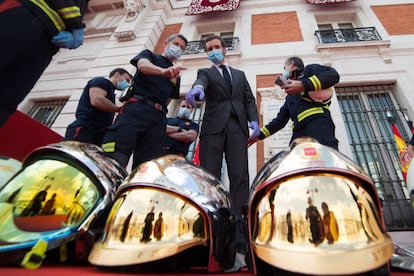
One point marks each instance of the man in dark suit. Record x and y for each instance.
(230, 111)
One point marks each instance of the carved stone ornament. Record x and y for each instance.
(327, 1)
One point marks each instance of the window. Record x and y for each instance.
(197, 47)
(369, 112)
(332, 26)
(226, 30)
(46, 112)
(222, 34)
(343, 27)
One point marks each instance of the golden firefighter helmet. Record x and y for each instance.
(58, 197)
(313, 211)
(167, 207)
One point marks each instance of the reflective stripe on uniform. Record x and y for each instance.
(316, 82)
(70, 12)
(53, 16)
(311, 111)
(109, 147)
(265, 131)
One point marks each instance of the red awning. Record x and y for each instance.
(327, 1)
(204, 6)
(21, 134)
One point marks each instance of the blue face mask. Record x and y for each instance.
(286, 74)
(216, 56)
(184, 113)
(121, 85)
(173, 52)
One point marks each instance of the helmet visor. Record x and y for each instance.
(47, 195)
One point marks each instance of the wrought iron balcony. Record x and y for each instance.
(197, 47)
(347, 35)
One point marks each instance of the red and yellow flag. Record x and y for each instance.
(405, 158)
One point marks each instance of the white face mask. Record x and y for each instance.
(184, 113)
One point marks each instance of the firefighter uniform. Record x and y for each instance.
(309, 118)
(173, 146)
(26, 30)
(91, 122)
(140, 126)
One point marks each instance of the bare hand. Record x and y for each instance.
(294, 87)
(173, 72)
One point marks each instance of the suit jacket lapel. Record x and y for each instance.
(234, 78)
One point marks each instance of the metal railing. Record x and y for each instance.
(197, 46)
(347, 35)
(364, 110)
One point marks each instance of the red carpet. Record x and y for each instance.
(92, 271)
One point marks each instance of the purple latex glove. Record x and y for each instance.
(193, 94)
(256, 129)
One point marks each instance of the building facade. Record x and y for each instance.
(368, 42)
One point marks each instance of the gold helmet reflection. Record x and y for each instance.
(58, 195)
(313, 211)
(165, 207)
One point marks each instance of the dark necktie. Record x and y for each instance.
(226, 76)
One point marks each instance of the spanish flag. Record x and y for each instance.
(402, 149)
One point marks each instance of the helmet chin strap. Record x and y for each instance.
(34, 258)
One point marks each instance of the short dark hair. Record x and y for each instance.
(223, 43)
(121, 71)
(173, 36)
(297, 61)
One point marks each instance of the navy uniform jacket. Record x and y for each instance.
(89, 116)
(177, 146)
(313, 77)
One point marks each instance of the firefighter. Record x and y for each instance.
(181, 131)
(31, 33)
(141, 125)
(309, 92)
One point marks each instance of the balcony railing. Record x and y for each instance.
(347, 35)
(197, 47)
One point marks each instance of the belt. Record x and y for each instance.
(152, 103)
(8, 5)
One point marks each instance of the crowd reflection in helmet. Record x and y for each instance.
(323, 211)
(331, 229)
(48, 195)
(166, 218)
(315, 222)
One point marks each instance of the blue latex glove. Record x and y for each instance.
(256, 129)
(63, 39)
(78, 38)
(195, 92)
